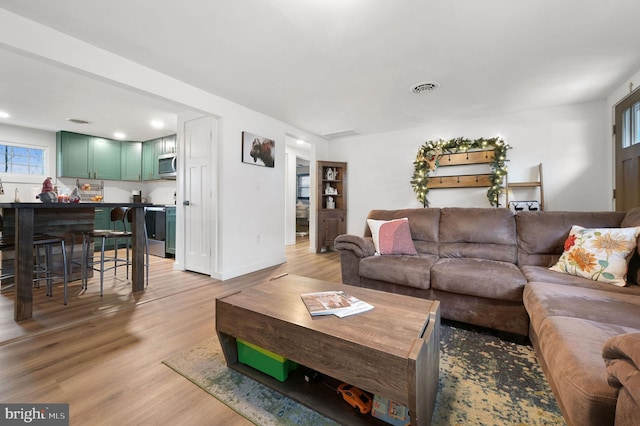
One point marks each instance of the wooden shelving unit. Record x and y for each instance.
(331, 203)
(527, 185)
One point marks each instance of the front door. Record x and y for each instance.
(198, 199)
(627, 140)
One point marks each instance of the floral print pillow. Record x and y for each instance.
(598, 254)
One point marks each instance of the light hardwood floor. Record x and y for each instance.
(104, 356)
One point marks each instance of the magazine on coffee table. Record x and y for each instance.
(336, 303)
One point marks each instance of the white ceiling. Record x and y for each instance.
(332, 65)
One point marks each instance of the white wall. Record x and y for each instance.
(569, 140)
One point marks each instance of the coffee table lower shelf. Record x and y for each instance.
(319, 396)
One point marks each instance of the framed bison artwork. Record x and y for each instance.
(258, 150)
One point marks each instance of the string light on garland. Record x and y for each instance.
(428, 160)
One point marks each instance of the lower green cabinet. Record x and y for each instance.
(170, 224)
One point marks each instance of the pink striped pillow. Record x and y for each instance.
(392, 236)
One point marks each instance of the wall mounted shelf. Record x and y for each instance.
(462, 181)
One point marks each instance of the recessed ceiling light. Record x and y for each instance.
(77, 121)
(4, 114)
(425, 86)
(157, 124)
(119, 135)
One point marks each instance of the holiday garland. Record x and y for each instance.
(428, 160)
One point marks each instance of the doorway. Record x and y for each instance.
(627, 152)
(198, 196)
(299, 189)
(303, 194)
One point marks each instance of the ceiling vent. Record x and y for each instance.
(425, 86)
(340, 134)
(77, 121)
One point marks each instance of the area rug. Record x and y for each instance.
(484, 380)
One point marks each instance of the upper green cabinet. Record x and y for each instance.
(150, 152)
(89, 157)
(131, 161)
(83, 156)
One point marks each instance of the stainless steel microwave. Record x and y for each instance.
(167, 165)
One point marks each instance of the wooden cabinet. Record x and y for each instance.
(84, 156)
(131, 161)
(331, 203)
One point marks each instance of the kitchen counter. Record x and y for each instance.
(23, 219)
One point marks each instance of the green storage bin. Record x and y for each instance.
(263, 360)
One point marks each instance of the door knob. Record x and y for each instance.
(185, 203)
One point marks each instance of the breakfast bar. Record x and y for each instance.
(23, 219)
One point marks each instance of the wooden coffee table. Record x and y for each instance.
(392, 351)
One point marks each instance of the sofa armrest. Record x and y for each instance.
(622, 358)
(360, 246)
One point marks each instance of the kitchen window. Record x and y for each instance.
(22, 163)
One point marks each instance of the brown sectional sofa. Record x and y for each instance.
(489, 267)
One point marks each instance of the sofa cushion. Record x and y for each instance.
(423, 225)
(541, 235)
(480, 233)
(412, 271)
(391, 236)
(631, 218)
(544, 300)
(543, 274)
(571, 348)
(599, 254)
(478, 277)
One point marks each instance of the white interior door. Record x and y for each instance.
(198, 199)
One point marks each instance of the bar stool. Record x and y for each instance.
(117, 216)
(43, 270)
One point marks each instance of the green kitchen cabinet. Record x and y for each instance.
(73, 154)
(105, 159)
(131, 161)
(88, 157)
(170, 224)
(150, 152)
